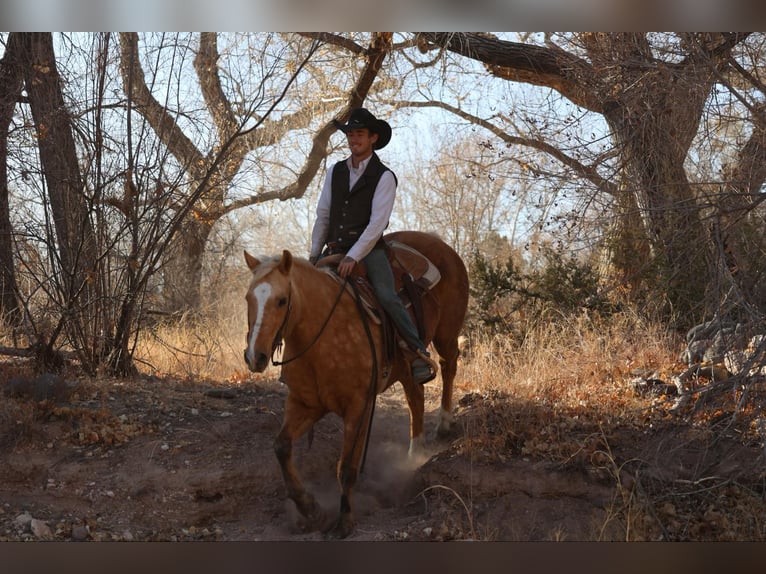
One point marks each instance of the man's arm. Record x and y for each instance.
(322, 222)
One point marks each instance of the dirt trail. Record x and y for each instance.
(159, 459)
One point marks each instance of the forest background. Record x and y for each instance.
(604, 189)
(579, 170)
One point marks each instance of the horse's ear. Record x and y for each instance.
(252, 262)
(287, 262)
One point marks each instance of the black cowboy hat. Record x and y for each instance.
(362, 118)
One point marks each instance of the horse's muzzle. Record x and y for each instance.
(259, 362)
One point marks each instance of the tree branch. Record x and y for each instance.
(206, 66)
(335, 40)
(588, 172)
(528, 63)
(157, 115)
(380, 46)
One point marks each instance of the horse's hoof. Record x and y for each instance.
(311, 517)
(304, 525)
(341, 529)
(448, 428)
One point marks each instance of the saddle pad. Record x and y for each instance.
(422, 270)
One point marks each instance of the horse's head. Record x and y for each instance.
(268, 307)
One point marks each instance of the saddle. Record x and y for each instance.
(414, 275)
(410, 268)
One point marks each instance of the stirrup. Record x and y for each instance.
(426, 372)
(427, 358)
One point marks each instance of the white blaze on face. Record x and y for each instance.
(261, 294)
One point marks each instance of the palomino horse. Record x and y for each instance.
(328, 365)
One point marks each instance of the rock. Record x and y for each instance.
(653, 386)
(40, 529)
(80, 533)
(23, 520)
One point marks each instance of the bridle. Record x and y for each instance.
(277, 343)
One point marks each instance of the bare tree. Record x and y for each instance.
(462, 192)
(653, 103)
(74, 257)
(183, 268)
(11, 83)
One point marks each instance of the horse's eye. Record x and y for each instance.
(282, 302)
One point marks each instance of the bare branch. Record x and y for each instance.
(380, 46)
(206, 66)
(335, 40)
(588, 172)
(156, 114)
(564, 72)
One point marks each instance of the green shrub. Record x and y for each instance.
(507, 300)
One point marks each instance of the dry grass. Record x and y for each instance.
(563, 397)
(566, 375)
(207, 347)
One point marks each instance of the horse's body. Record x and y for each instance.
(327, 359)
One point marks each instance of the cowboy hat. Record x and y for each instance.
(362, 118)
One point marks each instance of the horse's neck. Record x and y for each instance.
(314, 293)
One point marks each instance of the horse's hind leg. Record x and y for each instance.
(296, 422)
(448, 354)
(415, 396)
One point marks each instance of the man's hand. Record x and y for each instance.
(346, 266)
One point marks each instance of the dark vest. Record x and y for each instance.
(350, 210)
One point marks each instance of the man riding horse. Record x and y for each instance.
(353, 211)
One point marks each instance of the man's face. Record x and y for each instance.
(360, 142)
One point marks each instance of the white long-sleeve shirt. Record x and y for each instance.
(382, 206)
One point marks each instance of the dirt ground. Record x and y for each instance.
(156, 459)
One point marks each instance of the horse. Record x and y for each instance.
(328, 363)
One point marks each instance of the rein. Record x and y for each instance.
(373, 376)
(278, 339)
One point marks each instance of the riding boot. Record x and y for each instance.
(422, 367)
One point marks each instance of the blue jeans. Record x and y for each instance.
(382, 280)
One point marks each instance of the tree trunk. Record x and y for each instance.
(653, 122)
(11, 83)
(58, 155)
(679, 246)
(182, 267)
(69, 206)
(737, 224)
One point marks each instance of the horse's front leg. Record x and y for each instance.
(297, 421)
(355, 428)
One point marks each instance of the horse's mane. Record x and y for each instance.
(269, 262)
